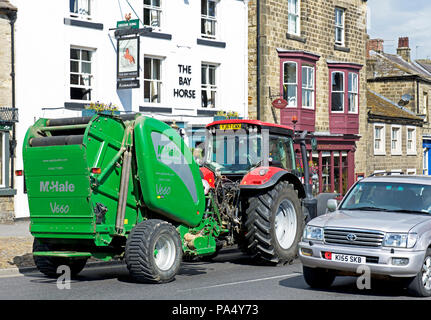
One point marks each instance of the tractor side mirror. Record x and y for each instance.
(332, 205)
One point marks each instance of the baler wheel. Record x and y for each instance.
(153, 252)
(49, 265)
(274, 224)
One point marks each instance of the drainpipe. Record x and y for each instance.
(417, 97)
(258, 59)
(12, 18)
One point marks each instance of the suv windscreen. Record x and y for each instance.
(388, 196)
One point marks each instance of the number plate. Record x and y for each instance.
(230, 126)
(347, 258)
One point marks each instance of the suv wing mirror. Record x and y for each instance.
(332, 205)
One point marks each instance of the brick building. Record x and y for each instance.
(312, 53)
(405, 82)
(8, 15)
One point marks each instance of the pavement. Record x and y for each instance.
(16, 247)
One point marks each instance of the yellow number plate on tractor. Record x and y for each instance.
(230, 126)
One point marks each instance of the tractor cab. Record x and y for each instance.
(234, 147)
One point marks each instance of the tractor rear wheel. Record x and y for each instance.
(274, 224)
(153, 252)
(49, 265)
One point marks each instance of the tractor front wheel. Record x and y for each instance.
(274, 224)
(153, 252)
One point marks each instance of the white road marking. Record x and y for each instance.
(244, 281)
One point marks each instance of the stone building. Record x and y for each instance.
(394, 137)
(8, 118)
(407, 83)
(312, 53)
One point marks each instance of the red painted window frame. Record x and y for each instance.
(344, 122)
(306, 117)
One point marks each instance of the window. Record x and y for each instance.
(379, 139)
(337, 92)
(209, 85)
(81, 77)
(294, 17)
(290, 83)
(308, 87)
(208, 18)
(152, 80)
(152, 13)
(353, 92)
(281, 152)
(411, 140)
(396, 140)
(426, 106)
(339, 26)
(80, 8)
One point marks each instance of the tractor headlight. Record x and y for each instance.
(313, 233)
(400, 240)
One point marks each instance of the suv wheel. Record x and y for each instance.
(420, 286)
(318, 278)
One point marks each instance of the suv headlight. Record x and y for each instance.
(313, 233)
(400, 240)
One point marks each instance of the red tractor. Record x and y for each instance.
(252, 167)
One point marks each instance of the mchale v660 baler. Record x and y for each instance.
(128, 186)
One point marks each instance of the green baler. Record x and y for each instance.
(107, 186)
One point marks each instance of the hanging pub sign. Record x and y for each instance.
(279, 103)
(128, 62)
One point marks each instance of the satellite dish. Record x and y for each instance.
(405, 99)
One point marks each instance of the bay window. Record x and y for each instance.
(298, 87)
(344, 97)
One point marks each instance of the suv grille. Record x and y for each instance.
(363, 238)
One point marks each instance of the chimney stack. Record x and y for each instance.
(375, 45)
(403, 48)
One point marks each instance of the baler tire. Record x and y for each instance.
(141, 252)
(49, 265)
(260, 239)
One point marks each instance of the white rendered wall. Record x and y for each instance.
(43, 42)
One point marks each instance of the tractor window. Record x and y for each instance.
(281, 152)
(234, 151)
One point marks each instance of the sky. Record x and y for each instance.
(391, 19)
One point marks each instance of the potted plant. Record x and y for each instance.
(220, 115)
(99, 107)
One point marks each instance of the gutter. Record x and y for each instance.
(12, 17)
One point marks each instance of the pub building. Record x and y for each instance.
(181, 62)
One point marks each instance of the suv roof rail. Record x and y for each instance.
(387, 173)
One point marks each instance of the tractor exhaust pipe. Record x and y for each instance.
(310, 203)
